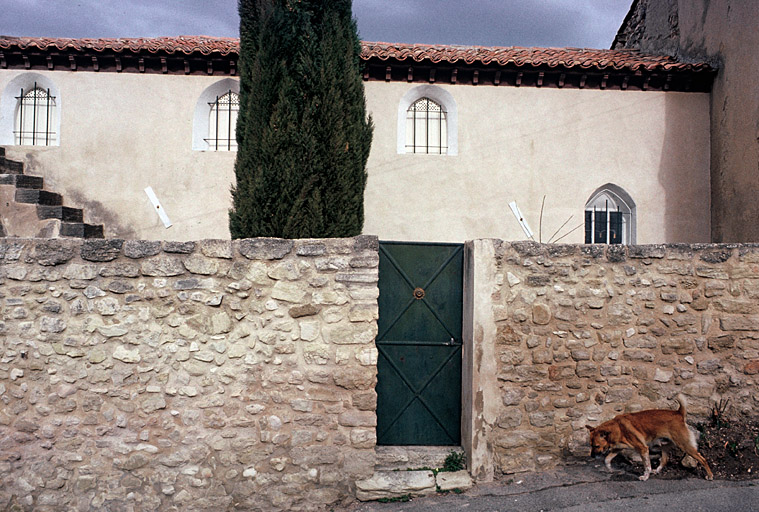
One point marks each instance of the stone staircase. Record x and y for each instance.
(34, 212)
(407, 471)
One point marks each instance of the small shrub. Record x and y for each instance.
(455, 461)
(718, 414)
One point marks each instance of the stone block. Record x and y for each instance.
(179, 247)
(619, 395)
(197, 264)
(448, 481)
(541, 314)
(510, 419)
(53, 252)
(394, 484)
(265, 248)
(355, 333)
(216, 248)
(128, 356)
(646, 251)
(293, 292)
(542, 419)
(721, 343)
(101, 250)
(739, 323)
(162, 267)
(141, 248)
(517, 462)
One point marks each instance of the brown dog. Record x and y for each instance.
(639, 430)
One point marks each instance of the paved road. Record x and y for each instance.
(587, 488)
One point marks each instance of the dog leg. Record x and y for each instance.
(663, 460)
(646, 462)
(687, 443)
(608, 459)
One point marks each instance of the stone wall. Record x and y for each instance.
(213, 375)
(565, 336)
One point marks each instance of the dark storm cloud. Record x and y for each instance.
(118, 18)
(582, 23)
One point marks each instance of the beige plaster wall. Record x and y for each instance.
(123, 132)
(723, 33)
(725, 30)
(518, 144)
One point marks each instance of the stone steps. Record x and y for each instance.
(406, 471)
(58, 220)
(21, 180)
(412, 457)
(64, 213)
(81, 230)
(10, 166)
(35, 196)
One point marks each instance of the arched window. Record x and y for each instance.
(215, 118)
(428, 121)
(610, 217)
(222, 121)
(35, 112)
(30, 111)
(426, 128)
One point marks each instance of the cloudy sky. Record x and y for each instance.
(575, 23)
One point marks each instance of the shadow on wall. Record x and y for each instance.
(684, 174)
(96, 212)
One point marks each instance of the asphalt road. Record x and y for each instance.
(587, 488)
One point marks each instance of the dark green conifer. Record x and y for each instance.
(303, 133)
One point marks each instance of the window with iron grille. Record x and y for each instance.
(609, 219)
(35, 114)
(222, 121)
(426, 128)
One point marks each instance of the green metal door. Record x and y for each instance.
(419, 343)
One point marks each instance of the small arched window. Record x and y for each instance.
(610, 217)
(35, 117)
(426, 127)
(428, 122)
(222, 121)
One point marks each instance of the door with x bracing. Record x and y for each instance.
(419, 344)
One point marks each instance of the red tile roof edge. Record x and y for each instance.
(582, 58)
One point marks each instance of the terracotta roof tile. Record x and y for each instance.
(579, 58)
(182, 44)
(583, 58)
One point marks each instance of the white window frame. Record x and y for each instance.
(10, 104)
(443, 98)
(201, 129)
(612, 198)
(222, 122)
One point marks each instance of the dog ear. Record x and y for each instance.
(589, 428)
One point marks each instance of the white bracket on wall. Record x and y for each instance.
(521, 220)
(157, 207)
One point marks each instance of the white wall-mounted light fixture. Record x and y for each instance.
(521, 220)
(157, 207)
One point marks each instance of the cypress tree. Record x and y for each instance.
(303, 133)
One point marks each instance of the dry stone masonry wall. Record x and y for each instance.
(583, 333)
(211, 375)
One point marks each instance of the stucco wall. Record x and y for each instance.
(722, 32)
(564, 336)
(123, 132)
(518, 144)
(209, 375)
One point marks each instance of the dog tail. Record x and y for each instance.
(683, 405)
